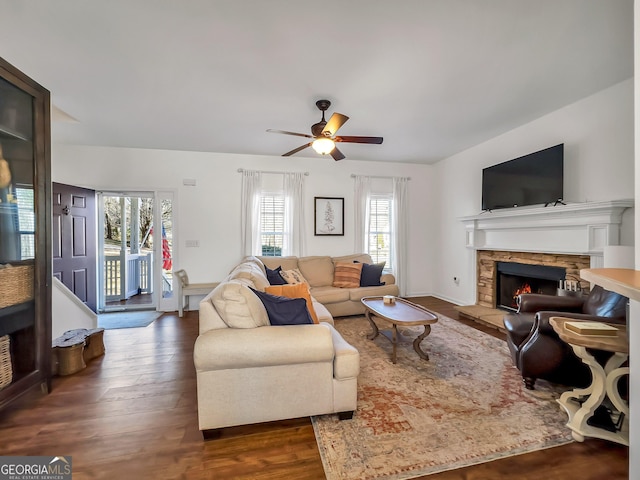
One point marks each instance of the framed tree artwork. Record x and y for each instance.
(329, 216)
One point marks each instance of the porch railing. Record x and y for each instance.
(135, 278)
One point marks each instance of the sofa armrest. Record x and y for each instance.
(388, 279)
(346, 363)
(233, 348)
(535, 302)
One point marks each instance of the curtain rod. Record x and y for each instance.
(353, 175)
(240, 170)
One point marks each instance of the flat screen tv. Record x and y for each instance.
(532, 179)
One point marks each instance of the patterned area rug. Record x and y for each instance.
(464, 406)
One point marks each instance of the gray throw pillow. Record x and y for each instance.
(284, 310)
(371, 273)
(274, 276)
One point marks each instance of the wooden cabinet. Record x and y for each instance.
(25, 235)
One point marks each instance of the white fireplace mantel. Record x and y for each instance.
(575, 228)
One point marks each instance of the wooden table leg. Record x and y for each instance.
(416, 343)
(394, 340)
(374, 327)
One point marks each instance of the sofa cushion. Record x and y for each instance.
(293, 276)
(284, 310)
(347, 275)
(253, 260)
(371, 274)
(238, 306)
(252, 272)
(359, 257)
(318, 270)
(274, 276)
(300, 290)
(330, 294)
(356, 294)
(287, 263)
(233, 349)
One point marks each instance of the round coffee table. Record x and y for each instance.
(400, 313)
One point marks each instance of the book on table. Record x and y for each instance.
(592, 328)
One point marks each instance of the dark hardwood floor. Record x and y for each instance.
(131, 414)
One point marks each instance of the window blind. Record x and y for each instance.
(380, 229)
(272, 223)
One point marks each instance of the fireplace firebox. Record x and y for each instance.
(514, 278)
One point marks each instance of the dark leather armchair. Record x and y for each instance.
(537, 350)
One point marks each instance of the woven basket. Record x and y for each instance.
(6, 372)
(94, 346)
(17, 285)
(69, 359)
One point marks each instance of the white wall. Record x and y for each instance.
(634, 316)
(599, 158)
(68, 312)
(210, 211)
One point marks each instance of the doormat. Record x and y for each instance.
(466, 405)
(110, 321)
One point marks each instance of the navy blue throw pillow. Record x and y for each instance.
(283, 310)
(371, 273)
(274, 276)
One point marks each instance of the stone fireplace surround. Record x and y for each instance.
(486, 268)
(571, 236)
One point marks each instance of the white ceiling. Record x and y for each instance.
(433, 77)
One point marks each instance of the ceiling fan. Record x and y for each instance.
(324, 134)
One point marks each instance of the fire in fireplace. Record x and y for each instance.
(526, 288)
(516, 278)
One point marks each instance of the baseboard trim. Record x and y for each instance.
(439, 297)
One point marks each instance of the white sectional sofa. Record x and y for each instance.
(249, 371)
(319, 273)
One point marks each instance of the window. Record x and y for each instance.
(379, 235)
(272, 223)
(26, 221)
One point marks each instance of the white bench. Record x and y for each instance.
(185, 289)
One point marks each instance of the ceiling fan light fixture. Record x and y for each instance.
(323, 145)
(323, 135)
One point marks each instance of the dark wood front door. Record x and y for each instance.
(75, 249)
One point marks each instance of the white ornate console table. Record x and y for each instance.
(581, 403)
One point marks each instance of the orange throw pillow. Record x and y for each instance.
(298, 290)
(347, 275)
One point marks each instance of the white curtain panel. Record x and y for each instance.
(294, 218)
(361, 213)
(400, 232)
(250, 214)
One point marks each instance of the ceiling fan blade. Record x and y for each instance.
(351, 139)
(290, 133)
(334, 123)
(337, 154)
(296, 150)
